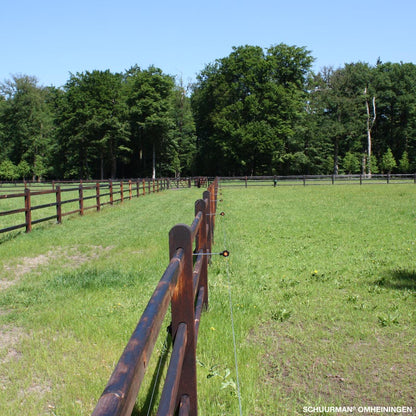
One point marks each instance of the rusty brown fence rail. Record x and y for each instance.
(86, 196)
(184, 287)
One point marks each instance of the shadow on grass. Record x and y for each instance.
(150, 403)
(399, 279)
(9, 236)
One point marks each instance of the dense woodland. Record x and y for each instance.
(255, 112)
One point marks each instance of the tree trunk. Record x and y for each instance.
(154, 162)
(370, 124)
(101, 165)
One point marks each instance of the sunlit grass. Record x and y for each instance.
(323, 284)
(323, 289)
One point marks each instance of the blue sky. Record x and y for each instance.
(51, 38)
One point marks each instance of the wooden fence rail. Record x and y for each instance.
(89, 196)
(184, 287)
(318, 180)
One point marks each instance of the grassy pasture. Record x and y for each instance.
(323, 288)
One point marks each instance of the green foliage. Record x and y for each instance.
(404, 165)
(256, 111)
(351, 163)
(388, 163)
(23, 169)
(26, 121)
(149, 99)
(93, 125)
(372, 163)
(8, 171)
(246, 107)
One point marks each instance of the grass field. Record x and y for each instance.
(322, 283)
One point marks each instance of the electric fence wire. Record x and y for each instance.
(163, 353)
(232, 324)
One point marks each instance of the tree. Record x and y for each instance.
(371, 119)
(372, 164)
(27, 124)
(94, 131)
(23, 169)
(395, 127)
(404, 164)
(149, 100)
(246, 107)
(183, 135)
(337, 101)
(8, 170)
(388, 162)
(351, 163)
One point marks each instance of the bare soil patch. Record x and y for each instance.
(10, 338)
(68, 258)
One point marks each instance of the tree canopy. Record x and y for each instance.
(256, 111)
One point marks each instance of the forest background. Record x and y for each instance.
(255, 112)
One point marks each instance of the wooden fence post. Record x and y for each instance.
(150, 191)
(209, 221)
(97, 195)
(182, 307)
(130, 193)
(121, 191)
(201, 244)
(153, 186)
(111, 192)
(28, 211)
(58, 205)
(144, 187)
(81, 199)
(137, 188)
(246, 181)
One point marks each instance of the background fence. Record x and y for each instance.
(317, 180)
(183, 287)
(38, 202)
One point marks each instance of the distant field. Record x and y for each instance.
(323, 289)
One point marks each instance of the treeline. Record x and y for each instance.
(257, 111)
(99, 125)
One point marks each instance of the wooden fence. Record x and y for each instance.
(184, 287)
(85, 196)
(317, 180)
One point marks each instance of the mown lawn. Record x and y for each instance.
(323, 291)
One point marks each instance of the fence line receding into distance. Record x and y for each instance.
(85, 196)
(183, 287)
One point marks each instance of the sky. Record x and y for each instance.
(50, 39)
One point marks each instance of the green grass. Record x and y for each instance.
(323, 288)
(72, 295)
